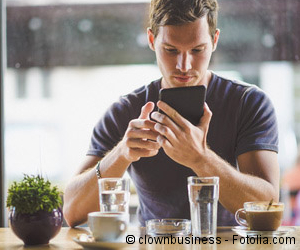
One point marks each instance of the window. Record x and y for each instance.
(68, 60)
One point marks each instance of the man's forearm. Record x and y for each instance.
(114, 164)
(236, 187)
(82, 191)
(79, 198)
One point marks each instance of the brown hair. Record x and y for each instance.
(178, 12)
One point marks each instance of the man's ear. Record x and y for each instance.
(150, 39)
(216, 39)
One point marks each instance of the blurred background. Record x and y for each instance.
(68, 60)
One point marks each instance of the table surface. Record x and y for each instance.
(64, 240)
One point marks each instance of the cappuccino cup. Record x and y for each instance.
(260, 216)
(107, 226)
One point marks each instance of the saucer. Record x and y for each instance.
(244, 232)
(88, 242)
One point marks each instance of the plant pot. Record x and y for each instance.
(37, 228)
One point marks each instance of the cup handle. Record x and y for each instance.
(238, 219)
(122, 226)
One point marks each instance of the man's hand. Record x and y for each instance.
(181, 140)
(140, 137)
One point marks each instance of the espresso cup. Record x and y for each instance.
(107, 226)
(260, 216)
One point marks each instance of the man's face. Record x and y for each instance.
(183, 53)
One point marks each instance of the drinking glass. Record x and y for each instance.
(114, 195)
(203, 198)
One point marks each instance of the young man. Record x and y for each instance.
(236, 139)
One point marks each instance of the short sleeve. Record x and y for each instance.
(257, 123)
(112, 126)
(110, 129)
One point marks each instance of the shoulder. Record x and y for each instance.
(130, 105)
(141, 95)
(239, 91)
(253, 113)
(222, 83)
(113, 124)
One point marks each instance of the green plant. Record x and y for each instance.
(33, 194)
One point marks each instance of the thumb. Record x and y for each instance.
(205, 120)
(146, 110)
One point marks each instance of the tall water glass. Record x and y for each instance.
(114, 195)
(203, 197)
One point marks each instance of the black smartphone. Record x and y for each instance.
(187, 101)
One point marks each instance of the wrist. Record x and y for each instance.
(97, 169)
(113, 164)
(122, 153)
(202, 166)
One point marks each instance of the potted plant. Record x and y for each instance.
(35, 210)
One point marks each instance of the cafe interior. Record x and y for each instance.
(64, 61)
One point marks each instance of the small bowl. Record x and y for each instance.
(176, 227)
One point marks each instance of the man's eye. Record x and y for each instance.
(198, 50)
(171, 50)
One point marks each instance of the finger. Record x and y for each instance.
(165, 131)
(173, 114)
(205, 119)
(141, 152)
(146, 110)
(163, 119)
(164, 142)
(142, 134)
(143, 144)
(142, 124)
(165, 126)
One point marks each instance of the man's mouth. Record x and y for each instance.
(183, 78)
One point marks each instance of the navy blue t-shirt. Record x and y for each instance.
(243, 120)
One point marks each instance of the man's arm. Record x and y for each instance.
(258, 178)
(81, 194)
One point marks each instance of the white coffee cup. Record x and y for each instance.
(107, 226)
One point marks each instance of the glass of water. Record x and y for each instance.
(203, 198)
(114, 195)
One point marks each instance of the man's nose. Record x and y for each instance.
(184, 62)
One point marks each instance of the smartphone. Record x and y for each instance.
(187, 101)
